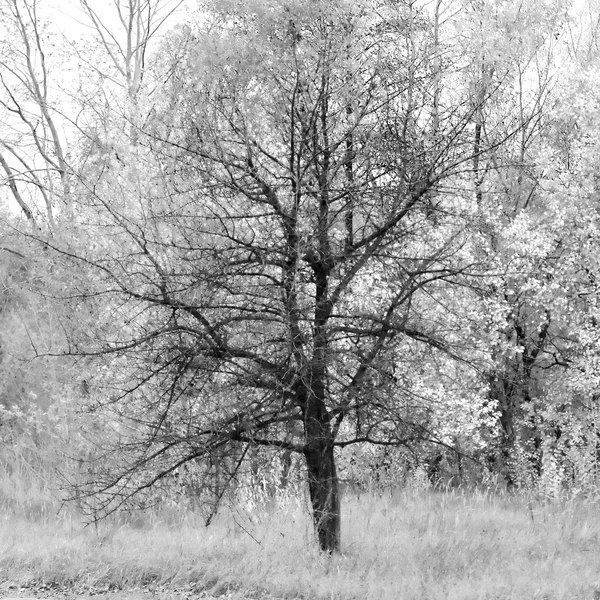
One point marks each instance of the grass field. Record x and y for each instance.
(406, 545)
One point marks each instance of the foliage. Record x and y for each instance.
(292, 242)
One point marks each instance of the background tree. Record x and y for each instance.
(33, 154)
(517, 228)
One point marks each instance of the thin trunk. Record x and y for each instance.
(476, 153)
(435, 116)
(11, 179)
(502, 391)
(349, 164)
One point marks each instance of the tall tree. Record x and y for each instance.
(290, 230)
(512, 67)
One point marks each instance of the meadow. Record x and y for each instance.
(407, 544)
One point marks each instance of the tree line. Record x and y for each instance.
(305, 228)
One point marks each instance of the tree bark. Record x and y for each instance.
(319, 453)
(324, 493)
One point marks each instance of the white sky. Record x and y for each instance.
(69, 19)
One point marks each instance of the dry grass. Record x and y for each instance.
(425, 545)
(412, 544)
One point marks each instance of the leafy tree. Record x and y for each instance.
(520, 225)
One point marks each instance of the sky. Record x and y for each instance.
(69, 19)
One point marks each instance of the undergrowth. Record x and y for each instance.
(411, 543)
(408, 544)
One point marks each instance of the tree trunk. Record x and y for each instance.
(324, 493)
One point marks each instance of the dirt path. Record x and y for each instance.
(146, 594)
(135, 595)
(11, 592)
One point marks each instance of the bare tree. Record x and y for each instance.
(290, 222)
(32, 149)
(127, 45)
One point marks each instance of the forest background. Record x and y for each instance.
(265, 252)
